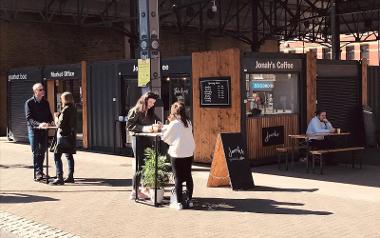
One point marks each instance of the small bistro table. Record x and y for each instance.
(48, 128)
(140, 157)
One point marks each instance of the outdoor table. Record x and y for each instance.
(157, 138)
(47, 150)
(306, 137)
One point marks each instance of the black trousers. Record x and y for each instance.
(182, 173)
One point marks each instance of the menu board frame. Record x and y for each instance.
(224, 79)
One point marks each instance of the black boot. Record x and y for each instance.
(70, 179)
(58, 181)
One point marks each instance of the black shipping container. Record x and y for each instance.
(20, 83)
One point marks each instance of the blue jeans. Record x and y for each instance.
(37, 140)
(58, 164)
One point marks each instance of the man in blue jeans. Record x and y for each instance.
(38, 116)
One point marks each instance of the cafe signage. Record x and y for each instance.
(215, 91)
(272, 136)
(268, 65)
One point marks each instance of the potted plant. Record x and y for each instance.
(148, 173)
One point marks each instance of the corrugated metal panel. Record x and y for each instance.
(20, 90)
(374, 92)
(104, 106)
(339, 94)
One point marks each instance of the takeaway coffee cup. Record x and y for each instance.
(338, 130)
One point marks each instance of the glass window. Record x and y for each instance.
(364, 52)
(350, 52)
(272, 93)
(326, 53)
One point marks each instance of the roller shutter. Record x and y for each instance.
(339, 94)
(20, 83)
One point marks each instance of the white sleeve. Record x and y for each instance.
(169, 133)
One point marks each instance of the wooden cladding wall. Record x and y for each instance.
(255, 148)
(84, 105)
(209, 121)
(364, 82)
(311, 87)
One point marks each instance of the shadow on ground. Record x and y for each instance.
(23, 198)
(274, 189)
(12, 166)
(103, 182)
(369, 175)
(267, 206)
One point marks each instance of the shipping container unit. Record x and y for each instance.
(339, 93)
(274, 93)
(20, 83)
(113, 90)
(65, 78)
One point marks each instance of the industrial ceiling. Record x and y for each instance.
(250, 21)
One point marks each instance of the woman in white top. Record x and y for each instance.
(179, 136)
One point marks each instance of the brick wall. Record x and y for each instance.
(32, 44)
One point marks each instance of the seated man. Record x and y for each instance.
(319, 124)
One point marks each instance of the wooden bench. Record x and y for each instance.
(285, 151)
(318, 155)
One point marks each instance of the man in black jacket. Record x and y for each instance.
(38, 116)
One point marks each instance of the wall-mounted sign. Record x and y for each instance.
(262, 85)
(62, 72)
(273, 136)
(143, 75)
(17, 76)
(269, 65)
(215, 91)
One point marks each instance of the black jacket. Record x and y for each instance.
(67, 127)
(136, 120)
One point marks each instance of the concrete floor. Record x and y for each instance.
(344, 202)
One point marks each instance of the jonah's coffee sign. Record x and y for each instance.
(273, 136)
(268, 65)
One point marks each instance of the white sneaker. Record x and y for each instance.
(177, 206)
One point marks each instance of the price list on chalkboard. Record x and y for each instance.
(215, 91)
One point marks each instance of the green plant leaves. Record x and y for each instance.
(148, 170)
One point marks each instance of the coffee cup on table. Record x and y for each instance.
(156, 127)
(338, 130)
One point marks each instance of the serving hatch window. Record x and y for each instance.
(271, 93)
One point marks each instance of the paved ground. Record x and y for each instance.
(344, 202)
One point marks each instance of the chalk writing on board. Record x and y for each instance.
(215, 91)
(270, 135)
(236, 153)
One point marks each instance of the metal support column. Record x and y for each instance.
(255, 31)
(335, 31)
(149, 36)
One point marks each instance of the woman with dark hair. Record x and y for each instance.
(179, 136)
(65, 138)
(141, 118)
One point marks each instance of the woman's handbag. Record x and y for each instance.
(65, 144)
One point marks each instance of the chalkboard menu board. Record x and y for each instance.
(238, 167)
(272, 136)
(215, 91)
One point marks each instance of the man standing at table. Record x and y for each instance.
(319, 124)
(38, 116)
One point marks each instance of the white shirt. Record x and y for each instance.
(179, 138)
